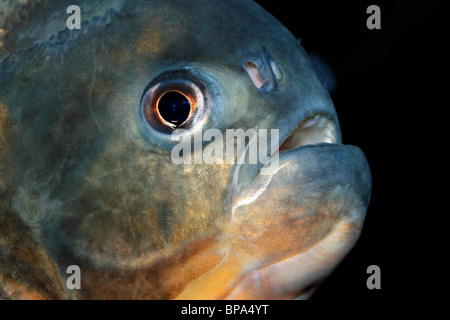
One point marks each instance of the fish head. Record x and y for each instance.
(111, 130)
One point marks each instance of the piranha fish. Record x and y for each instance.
(87, 120)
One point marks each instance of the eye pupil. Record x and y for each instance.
(174, 107)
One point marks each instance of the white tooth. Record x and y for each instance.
(310, 122)
(332, 136)
(327, 139)
(328, 134)
(331, 130)
(331, 126)
(323, 122)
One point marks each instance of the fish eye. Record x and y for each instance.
(173, 101)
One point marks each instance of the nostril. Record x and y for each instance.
(264, 73)
(253, 73)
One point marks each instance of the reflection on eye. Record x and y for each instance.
(174, 107)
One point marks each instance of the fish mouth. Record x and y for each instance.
(314, 148)
(290, 229)
(314, 129)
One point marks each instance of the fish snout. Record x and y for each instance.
(289, 230)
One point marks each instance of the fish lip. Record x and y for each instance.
(276, 161)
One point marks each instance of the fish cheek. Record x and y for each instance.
(6, 135)
(5, 127)
(117, 241)
(132, 204)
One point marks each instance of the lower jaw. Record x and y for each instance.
(297, 276)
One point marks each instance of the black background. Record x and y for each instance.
(389, 100)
